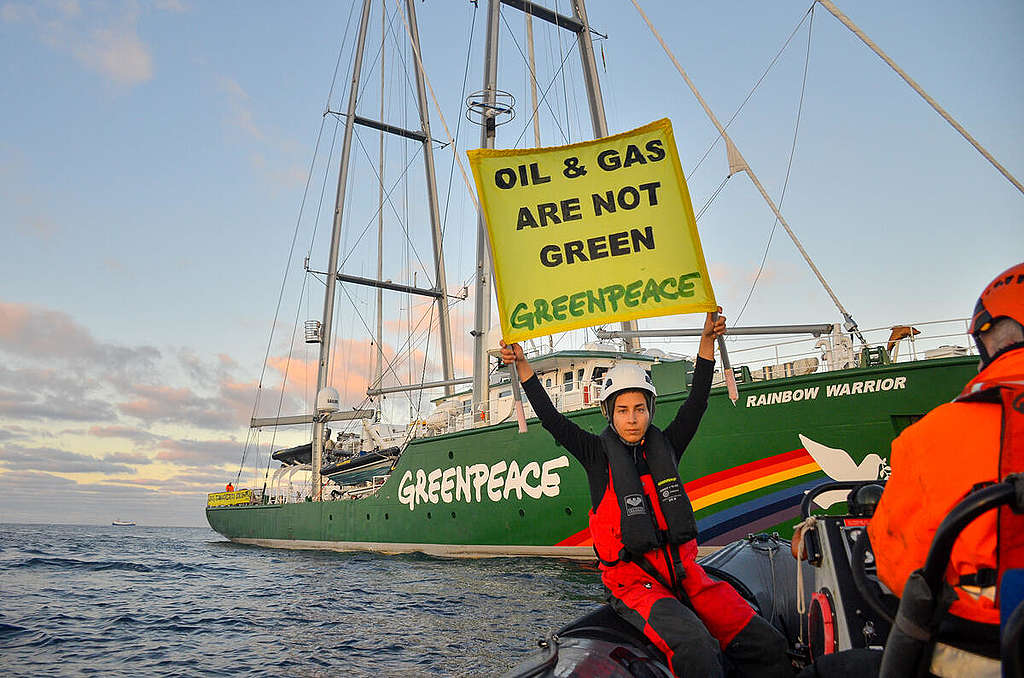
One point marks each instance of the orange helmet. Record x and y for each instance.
(1001, 298)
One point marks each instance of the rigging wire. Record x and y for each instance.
(710, 200)
(341, 50)
(753, 89)
(291, 249)
(789, 166)
(526, 60)
(565, 93)
(544, 95)
(391, 367)
(394, 209)
(298, 309)
(364, 82)
(458, 126)
(373, 217)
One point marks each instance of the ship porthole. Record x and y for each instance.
(330, 516)
(522, 513)
(451, 455)
(568, 511)
(386, 517)
(367, 516)
(429, 516)
(453, 515)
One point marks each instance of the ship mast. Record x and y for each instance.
(439, 290)
(577, 24)
(484, 266)
(597, 117)
(323, 371)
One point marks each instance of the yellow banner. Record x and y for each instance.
(591, 233)
(229, 498)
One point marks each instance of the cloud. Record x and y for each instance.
(351, 379)
(230, 407)
(42, 227)
(36, 332)
(18, 457)
(171, 6)
(240, 107)
(127, 432)
(104, 38)
(200, 453)
(30, 393)
(127, 458)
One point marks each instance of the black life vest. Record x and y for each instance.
(639, 529)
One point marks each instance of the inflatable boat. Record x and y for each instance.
(836, 616)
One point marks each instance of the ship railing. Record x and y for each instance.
(756, 361)
(581, 395)
(359, 491)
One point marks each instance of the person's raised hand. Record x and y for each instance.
(714, 327)
(510, 353)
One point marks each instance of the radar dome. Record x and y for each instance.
(327, 400)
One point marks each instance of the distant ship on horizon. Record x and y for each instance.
(123, 523)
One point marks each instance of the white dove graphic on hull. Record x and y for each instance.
(839, 465)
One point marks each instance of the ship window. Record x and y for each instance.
(505, 394)
(579, 375)
(547, 382)
(567, 381)
(467, 406)
(598, 373)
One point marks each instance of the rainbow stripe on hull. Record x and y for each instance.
(771, 490)
(762, 510)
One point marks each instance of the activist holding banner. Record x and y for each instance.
(643, 526)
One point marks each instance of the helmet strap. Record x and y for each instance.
(986, 360)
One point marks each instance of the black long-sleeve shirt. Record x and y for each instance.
(587, 447)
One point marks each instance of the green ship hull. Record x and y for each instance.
(493, 491)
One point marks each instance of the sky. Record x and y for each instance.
(164, 166)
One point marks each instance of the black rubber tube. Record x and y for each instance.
(972, 506)
(860, 579)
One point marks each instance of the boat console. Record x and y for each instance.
(839, 616)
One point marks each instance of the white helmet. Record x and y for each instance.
(626, 377)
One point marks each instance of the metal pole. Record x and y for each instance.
(440, 281)
(535, 107)
(533, 78)
(597, 117)
(816, 330)
(482, 292)
(332, 261)
(379, 369)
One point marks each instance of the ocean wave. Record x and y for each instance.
(75, 564)
(101, 565)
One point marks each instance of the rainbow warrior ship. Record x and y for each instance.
(459, 479)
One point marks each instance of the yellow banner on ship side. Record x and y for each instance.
(229, 498)
(591, 233)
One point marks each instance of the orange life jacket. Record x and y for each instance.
(976, 440)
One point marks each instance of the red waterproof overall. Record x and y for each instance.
(693, 633)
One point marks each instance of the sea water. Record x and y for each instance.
(184, 601)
